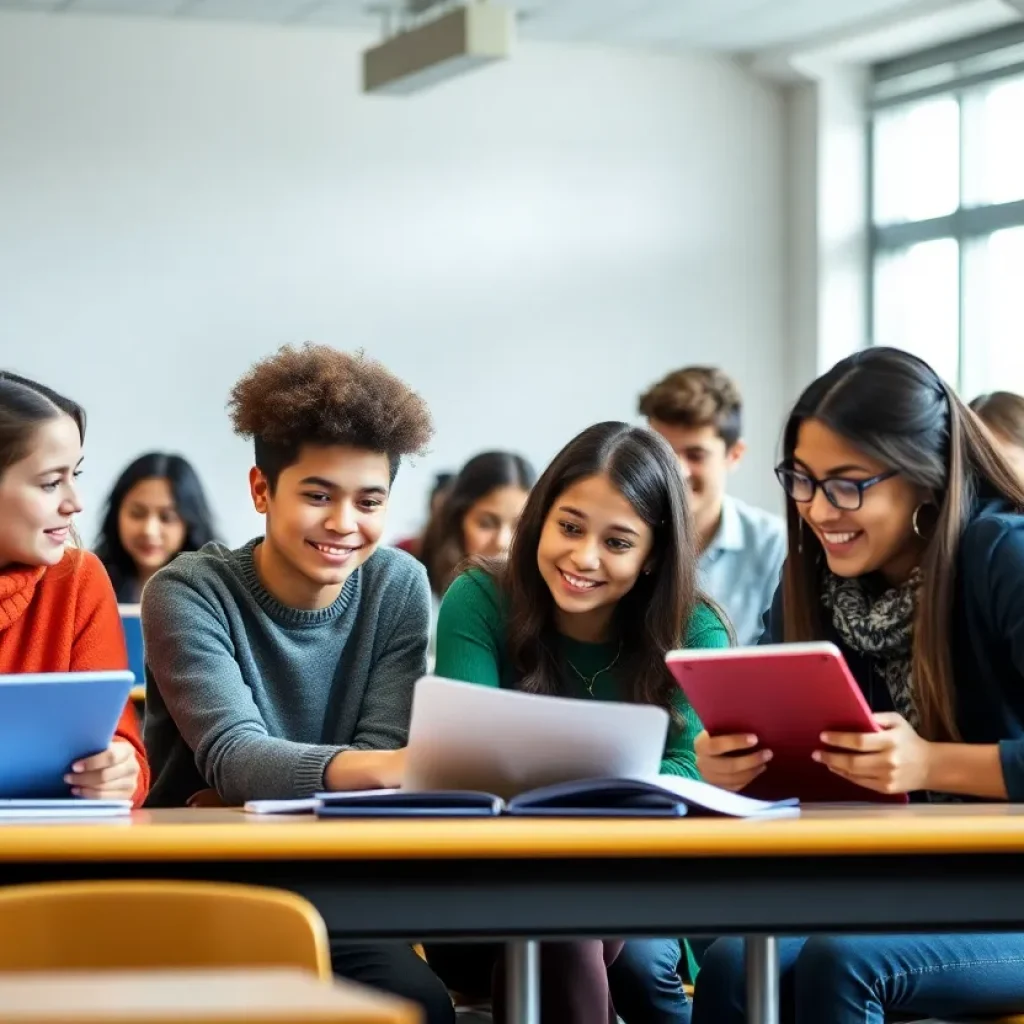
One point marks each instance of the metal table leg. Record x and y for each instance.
(762, 954)
(523, 982)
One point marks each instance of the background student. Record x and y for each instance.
(477, 516)
(57, 609)
(156, 510)
(1003, 413)
(906, 549)
(600, 583)
(699, 412)
(437, 493)
(287, 666)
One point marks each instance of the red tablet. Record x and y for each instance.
(786, 695)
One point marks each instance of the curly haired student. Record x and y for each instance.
(287, 666)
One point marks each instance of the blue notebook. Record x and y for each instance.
(131, 623)
(49, 721)
(665, 796)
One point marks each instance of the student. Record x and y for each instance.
(906, 549)
(698, 410)
(599, 584)
(1003, 413)
(478, 515)
(287, 666)
(156, 510)
(57, 610)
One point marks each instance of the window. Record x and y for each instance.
(947, 181)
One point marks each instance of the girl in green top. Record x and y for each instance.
(600, 583)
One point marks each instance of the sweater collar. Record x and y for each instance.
(17, 587)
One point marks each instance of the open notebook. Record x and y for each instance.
(666, 796)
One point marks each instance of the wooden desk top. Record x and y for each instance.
(193, 997)
(214, 834)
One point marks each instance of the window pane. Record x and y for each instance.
(994, 313)
(917, 303)
(917, 161)
(995, 143)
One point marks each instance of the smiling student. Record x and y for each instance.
(477, 516)
(906, 549)
(699, 412)
(600, 583)
(286, 666)
(57, 609)
(156, 510)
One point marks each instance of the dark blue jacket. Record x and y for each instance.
(986, 634)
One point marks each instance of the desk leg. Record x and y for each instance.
(762, 953)
(523, 982)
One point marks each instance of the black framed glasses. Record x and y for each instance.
(841, 492)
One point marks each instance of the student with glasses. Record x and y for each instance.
(906, 549)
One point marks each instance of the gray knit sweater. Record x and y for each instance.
(238, 684)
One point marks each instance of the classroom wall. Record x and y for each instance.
(529, 246)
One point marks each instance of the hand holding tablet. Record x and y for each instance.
(765, 710)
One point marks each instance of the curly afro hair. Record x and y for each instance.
(320, 396)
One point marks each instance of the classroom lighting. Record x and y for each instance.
(442, 48)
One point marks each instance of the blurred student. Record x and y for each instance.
(57, 609)
(699, 412)
(1003, 413)
(478, 516)
(156, 510)
(286, 666)
(600, 583)
(906, 550)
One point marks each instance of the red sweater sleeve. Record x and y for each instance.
(99, 646)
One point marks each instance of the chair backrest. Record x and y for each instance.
(154, 924)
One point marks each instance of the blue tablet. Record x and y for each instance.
(49, 721)
(131, 622)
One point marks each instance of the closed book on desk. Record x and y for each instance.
(666, 796)
(72, 807)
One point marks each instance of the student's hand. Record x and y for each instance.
(719, 764)
(112, 775)
(895, 760)
(365, 769)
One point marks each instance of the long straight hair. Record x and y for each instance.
(189, 500)
(651, 619)
(444, 544)
(894, 408)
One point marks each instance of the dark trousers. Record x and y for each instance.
(394, 968)
(573, 978)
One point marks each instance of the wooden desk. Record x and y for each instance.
(895, 869)
(193, 997)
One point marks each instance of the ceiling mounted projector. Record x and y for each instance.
(435, 50)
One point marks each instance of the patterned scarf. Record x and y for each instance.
(881, 627)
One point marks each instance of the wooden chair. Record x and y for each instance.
(158, 924)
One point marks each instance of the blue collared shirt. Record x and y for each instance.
(741, 566)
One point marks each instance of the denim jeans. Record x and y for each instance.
(858, 979)
(645, 983)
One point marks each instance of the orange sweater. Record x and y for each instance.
(64, 618)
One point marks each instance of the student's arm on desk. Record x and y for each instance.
(192, 660)
(706, 630)
(470, 631)
(376, 757)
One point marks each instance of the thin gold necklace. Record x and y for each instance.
(589, 683)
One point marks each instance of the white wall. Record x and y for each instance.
(529, 246)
